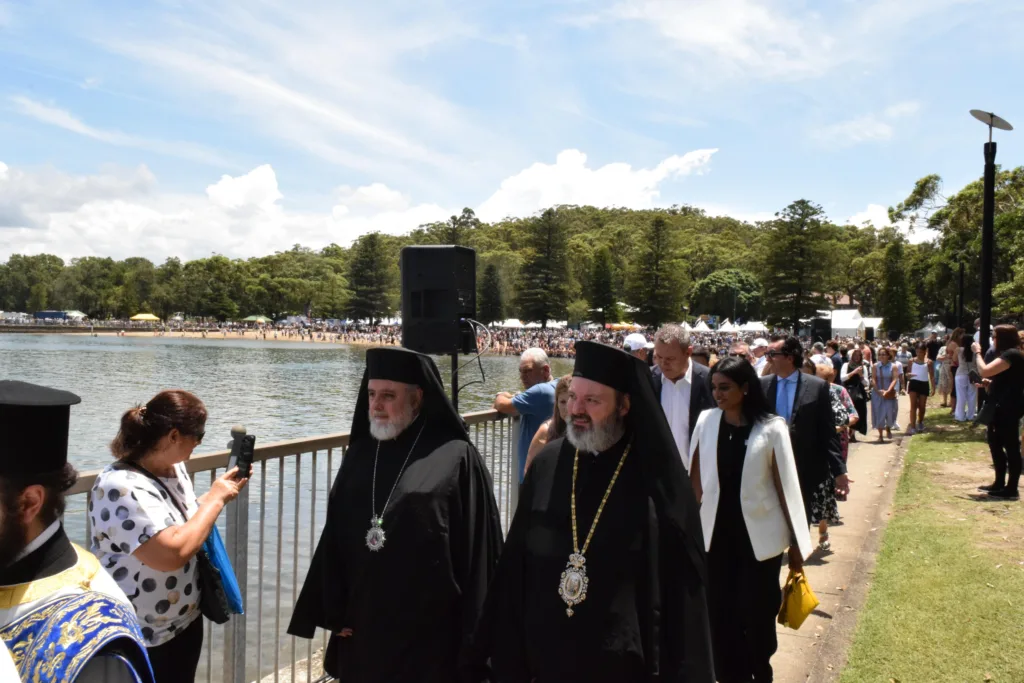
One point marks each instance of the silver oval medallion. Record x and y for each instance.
(375, 538)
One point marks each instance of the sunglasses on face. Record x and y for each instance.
(737, 354)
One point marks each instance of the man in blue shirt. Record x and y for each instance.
(535, 404)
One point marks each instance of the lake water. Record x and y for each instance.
(279, 391)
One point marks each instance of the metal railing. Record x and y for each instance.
(291, 481)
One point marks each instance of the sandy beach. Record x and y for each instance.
(214, 335)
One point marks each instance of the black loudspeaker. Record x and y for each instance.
(821, 329)
(894, 335)
(438, 296)
(869, 334)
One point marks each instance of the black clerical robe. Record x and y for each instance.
(412, 604)
(641, 616)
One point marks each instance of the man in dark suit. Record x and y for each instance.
(680, 385)
(803, 400)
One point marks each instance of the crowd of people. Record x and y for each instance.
(736, 451)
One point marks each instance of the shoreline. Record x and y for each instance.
(210, 335)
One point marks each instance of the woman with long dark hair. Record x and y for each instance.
(966, 392)
(1006, 373)
(919, 373)
(554, 427)
(744, 475)
(854, 376)
(148, 525)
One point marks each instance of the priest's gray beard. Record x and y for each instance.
(595, 437)
(383, 429)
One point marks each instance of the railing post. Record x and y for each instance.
(513, 477)
(237, 543)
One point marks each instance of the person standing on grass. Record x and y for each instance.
(966, 392)
(919, 387)
(1006, 389)
(884, 398)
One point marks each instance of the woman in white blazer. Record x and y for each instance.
(751, 509)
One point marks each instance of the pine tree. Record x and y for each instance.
(899, 305)
(544, 277)
(371, 275)
(795, 264)
(656, 290)
(602, 288)
(492, 307)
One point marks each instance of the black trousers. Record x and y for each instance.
(176, 660)
(1004, 445)
(744, 597)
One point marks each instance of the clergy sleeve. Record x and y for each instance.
(322, 599)
(829, 435)
(501, 632)
(475, 546)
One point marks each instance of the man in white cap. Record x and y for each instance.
(637, 346)
(758, 349)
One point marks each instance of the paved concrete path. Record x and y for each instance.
(818, 651)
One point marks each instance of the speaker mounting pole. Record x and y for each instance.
(455, 380)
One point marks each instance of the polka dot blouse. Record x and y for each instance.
(127, 509)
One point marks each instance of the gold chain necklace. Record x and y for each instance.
(574, 583)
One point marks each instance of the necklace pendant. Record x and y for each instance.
(573, 586)
(375, 536)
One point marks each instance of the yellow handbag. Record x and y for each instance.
(798, 600)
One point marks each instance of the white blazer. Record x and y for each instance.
(759, 499)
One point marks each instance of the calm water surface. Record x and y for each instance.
(278, 390)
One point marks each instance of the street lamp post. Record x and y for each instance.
(987, 221)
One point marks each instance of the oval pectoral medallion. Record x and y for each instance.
(573, 586)
(375, 536)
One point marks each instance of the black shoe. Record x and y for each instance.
(992, 487)
(1004, 494)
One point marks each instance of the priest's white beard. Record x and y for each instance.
(383, 429)
(595, 437)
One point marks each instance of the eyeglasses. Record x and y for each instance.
(198, 436)
(737, 354)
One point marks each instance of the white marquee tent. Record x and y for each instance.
(701, 327)
(847, 323)
(753, 326)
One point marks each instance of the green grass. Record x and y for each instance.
(947, 599)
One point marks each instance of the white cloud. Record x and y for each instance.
(853, 132)
(902, 109)
(64, 119)
(373, 196)
(876, 214)
(868, 128)
(570, 181)
(335, 81)
(119, 213)
(257, 189)
(740, 37)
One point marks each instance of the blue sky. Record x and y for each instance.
(185, 128)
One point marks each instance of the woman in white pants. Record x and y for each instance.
(966, 392)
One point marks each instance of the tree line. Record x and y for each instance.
(578, 263)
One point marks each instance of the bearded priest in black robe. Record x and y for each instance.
(412, 536)
(603, 573)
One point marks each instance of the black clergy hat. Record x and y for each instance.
(396, 364)
(33, 428)
(604, 364)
